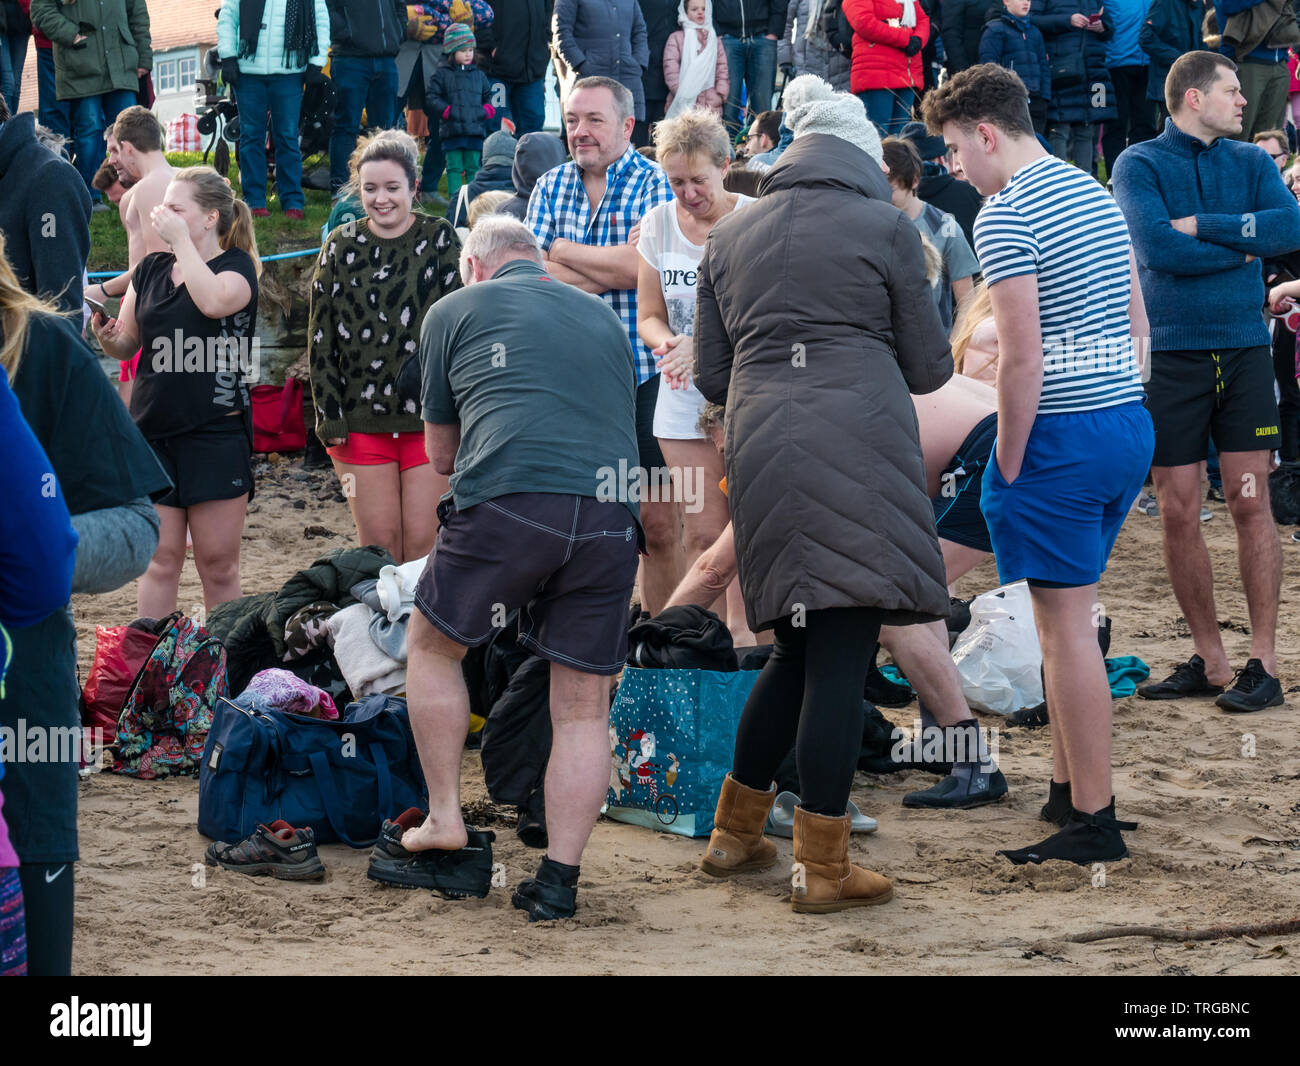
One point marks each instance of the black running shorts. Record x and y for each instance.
(213, 462)
(1226, 393)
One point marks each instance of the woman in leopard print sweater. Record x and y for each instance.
(374, 282)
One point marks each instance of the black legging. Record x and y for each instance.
(809, 695)
(47, 901)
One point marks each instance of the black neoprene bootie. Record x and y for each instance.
(551, 894)
(1085, 839)
(974, 779)
(1059, 804)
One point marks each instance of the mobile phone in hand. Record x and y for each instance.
(95, 305)
(1094, 19)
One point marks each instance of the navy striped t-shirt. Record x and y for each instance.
(1055, 221)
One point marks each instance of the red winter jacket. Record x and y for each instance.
(878, 42)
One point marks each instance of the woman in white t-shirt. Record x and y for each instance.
(695, 152)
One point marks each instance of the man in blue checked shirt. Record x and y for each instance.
(584, 213)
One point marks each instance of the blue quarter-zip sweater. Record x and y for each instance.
(1200, 292)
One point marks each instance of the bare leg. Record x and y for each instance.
(217, 528)
(1259, 554)
(697, 468)
(577, 776)
(374, 495)
(1078, 692)
(1187, 561)
(439, 707)
(662, 568)
(422, 487)
(921, 652)
(156, 590)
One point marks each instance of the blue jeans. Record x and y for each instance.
(751, 61)
(52, 113)
(13, 55)
(281, 94)
(889, 109)
(523, 102)
(368, 83)
(91, 115)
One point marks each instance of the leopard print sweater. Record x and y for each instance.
(369, 296)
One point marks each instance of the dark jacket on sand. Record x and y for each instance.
(44, 215)
(814, 321)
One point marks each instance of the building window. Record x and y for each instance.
(189, 72)
(164, 76)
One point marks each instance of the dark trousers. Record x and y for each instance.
(1137, 114)
(280, 96)
(360, 84)
(809, 697)
(51, 112)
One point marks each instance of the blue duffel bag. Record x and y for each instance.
(340, 778)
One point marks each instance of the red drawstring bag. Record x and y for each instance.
(120, 652)
(277, 418)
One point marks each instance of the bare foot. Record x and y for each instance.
(447, 834)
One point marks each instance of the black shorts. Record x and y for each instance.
(213, 462)
(1227, 394)
(568, 562)
(651, 455)
(957, 513)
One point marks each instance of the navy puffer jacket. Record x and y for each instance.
(1025, 52)
(465, 90)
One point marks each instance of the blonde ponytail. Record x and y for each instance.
(17, 305)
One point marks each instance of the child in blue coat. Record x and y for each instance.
(1012, 41)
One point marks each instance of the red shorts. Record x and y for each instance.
(129, 367)
(374, 449)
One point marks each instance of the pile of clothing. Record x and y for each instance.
(339, 626)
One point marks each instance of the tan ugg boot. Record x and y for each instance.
(823, 878)
(737, 844)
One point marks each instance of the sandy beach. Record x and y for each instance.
(1219, 837)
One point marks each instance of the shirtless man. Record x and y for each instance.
(135, 148)
(958, 427)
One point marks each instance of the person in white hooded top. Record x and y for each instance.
(695, 65)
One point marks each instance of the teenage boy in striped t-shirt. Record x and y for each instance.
(1074, 439)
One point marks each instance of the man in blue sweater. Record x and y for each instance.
(1203, 210)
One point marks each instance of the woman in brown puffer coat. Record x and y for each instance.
(814, 321)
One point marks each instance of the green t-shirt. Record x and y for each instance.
(539, 376)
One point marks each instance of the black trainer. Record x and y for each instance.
(1059, 804)
(552, 894)
(277, 849)
(1085, 839)
(1188, 679)
(455, 874)
(1254, 689)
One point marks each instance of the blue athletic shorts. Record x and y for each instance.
(1057, 522)
(957, 514)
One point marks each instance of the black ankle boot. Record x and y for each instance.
(1059, 805)
(552, 894)
(972, 781)
(1085, 839)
